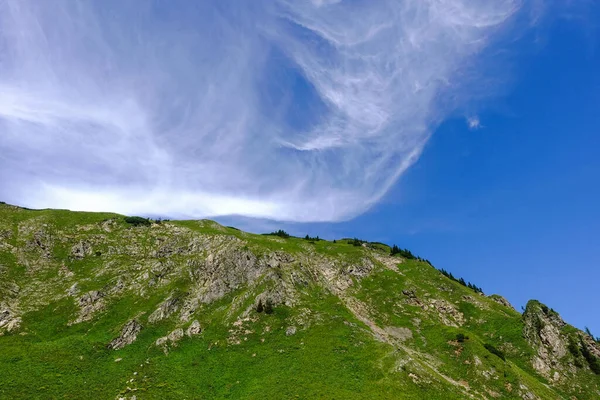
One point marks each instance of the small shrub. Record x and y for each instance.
(281, 233)
(592, 360)
(269, 307)
(495, 351)
(312, 239)
(461, 338)
(137, 221)
(573, 348)
(449, 275)
(405, 253)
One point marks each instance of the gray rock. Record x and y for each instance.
(172, 339)
(501, 300)
(128, 335)
(166, 308)
(591, 344)
(8, 320)
(89, 303)
(194, 329)
(176, 335)
(73, 290)
(291, 330)
(81, 249)
(542, 330)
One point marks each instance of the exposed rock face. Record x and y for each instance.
(176, 335)
(399, 333)
(163, 311)
(41, 242)
(81, 249)
(8, 320)
(89, 303)
(543, 331)
(228, 269)
(128, 335)
(362, 269)
(591, 344)
(501, 300)
(447, 313)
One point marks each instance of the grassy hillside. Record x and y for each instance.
(93, 306)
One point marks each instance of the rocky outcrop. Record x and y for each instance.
(170, 340)
(128, 335)
(194, 329)
(592, 345)
(542, 329)
(41, 243)
(82, 249)
(89, 304)
(446, 312)
(232, 267)
(165, 310)
(8, 320)
(501, 300)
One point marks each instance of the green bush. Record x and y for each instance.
(312, 239)
(357, 242)
(402, 252)
(281, 233)
(574, 348)
(137, 221)
(592, 360)
(269, 307)
(461, 338)
(470, 285)
(495, 351)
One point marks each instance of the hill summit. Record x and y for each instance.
(98, 305)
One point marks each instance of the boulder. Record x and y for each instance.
(194, 329)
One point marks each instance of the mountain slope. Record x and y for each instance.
(92, 306)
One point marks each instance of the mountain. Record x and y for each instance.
(100, 306)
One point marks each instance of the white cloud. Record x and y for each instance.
(474, 123)
(297, 110)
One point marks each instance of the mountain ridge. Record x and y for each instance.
(93, 304)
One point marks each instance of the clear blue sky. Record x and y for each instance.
(464, 130)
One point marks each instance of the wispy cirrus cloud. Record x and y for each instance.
(292, 110)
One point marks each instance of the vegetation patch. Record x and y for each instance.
(138, 221)
(492, 349)
(470, 285)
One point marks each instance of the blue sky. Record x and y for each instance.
(463, 130)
